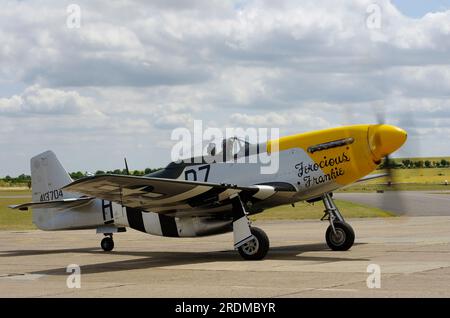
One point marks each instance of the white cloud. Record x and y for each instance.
(299, 121)
(45, 101)
(105, 36)
(172, 121)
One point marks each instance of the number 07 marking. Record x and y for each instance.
(193, 172)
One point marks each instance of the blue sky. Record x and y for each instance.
(418, 8)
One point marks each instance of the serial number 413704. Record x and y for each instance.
(51, 195)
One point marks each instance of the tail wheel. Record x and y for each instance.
(343, 239)
(257, 248)
(107, 244)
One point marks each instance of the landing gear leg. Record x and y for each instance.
(252, 243)
(339, 235)
(107, 243)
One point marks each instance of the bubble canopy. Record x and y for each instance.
(223, 150)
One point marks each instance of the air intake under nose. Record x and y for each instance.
(385, 139)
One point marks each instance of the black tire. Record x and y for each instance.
(107, 244)
(345, 238)
(257, 248)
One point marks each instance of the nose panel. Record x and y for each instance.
(385, 139)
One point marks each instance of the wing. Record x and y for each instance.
(164, 195)
(63, 204)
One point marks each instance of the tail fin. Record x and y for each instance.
(48, 176)
(53, 208)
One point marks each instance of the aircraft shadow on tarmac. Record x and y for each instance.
(150, 259)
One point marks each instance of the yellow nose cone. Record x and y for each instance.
(385, 139)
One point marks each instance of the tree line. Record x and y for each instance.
(25, 180)
(414, 164)
(79, 174)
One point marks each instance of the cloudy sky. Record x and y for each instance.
(135, 70)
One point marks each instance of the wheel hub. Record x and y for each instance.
(251, 247)
(338, 238)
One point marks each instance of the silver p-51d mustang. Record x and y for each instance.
(199, 198)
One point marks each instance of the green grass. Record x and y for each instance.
(423, 179)
(361, 187)
(14, 192)
(14, 219)
(303, 211)
(418, 176)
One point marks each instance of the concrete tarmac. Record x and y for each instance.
(413, 255)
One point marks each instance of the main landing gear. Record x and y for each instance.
(107, 243)
(252, 243)
(256, 248)
(339, 235)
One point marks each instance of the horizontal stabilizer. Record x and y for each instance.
(62, 204)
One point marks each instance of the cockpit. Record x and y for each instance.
(231, 149)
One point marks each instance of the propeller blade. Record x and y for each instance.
(126, 166)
